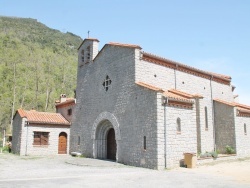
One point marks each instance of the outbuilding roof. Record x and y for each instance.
(36, 117)
(69, 101)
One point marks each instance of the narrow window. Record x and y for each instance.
(82, 55)
(88, 54)
(41, 138)
(206, 119)
(178, 125)
(144, 143)
(70, 112)
(79, 140)
(245, 128)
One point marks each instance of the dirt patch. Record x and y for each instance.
(237, 169)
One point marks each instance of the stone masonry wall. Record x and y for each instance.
(64, 111)
(167, 78)
(242, 139)
(224, 126)
(134, 107)
(180, 142)
(27, 139)
(16, 133)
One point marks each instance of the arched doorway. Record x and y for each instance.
(62, 143)
(105, 122)
(105, 141)
(111, 145)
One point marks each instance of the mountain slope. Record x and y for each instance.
(37, 64)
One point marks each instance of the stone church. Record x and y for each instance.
(140, 109)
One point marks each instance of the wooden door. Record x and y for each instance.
(62, 143)
(111, 145)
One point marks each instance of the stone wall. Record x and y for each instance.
(180, 142)
(64, 111)
(16, 133)
(166, 78)
(27, 138)
(242, 138)
(134, 107)
(224, 126)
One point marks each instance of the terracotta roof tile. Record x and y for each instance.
(172, 94)
(93, 39)
(176, 96)
(184, 94)
(68, 101)
(151, 87)
(21, 112)
(185, 68)
(125, 45)
(243, 110)
(34, 116)
(243, 106)
(225, 102)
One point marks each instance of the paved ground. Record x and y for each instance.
(67, 171)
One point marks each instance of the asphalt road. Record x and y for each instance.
(67, 171)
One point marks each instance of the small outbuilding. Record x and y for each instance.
(40, 133)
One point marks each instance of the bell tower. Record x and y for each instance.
(87, 51)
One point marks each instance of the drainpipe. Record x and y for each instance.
(212, 103)
(165, 101)
(26, 147)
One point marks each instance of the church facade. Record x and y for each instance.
(143, 110)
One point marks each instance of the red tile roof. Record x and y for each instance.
(242, 110)
(243, 106)
(185, 68)
(151, 87)
(175, 97)
(34, 116)
(225, 102)
(125, 45)
(93, 39)
(68, 101)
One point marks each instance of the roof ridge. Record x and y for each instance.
(124, 45)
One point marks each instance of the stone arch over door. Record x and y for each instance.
(101, 127)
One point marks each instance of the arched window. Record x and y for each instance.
(178, 125)
(245, 128)
(206, 119)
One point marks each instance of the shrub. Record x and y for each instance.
(229, 149)
(214, 154)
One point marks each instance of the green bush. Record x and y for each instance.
(5, 149)
(229, 149)
(213, 154)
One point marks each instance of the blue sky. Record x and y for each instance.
(212, 35)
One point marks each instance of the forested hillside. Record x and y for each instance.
(37, 64)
